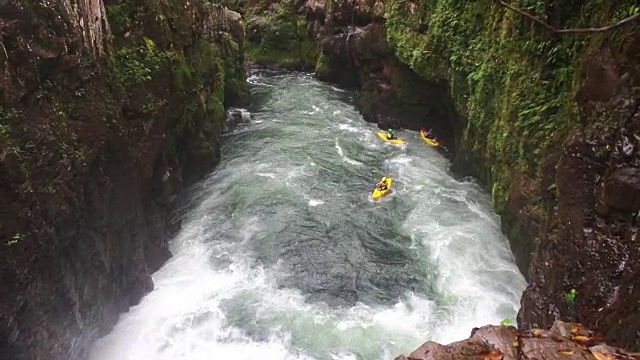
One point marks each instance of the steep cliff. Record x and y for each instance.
(550, 124)
(108, 109)
(548, 121)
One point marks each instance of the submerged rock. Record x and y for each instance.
(562, 341)
(235, 118)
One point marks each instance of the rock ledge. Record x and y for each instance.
(562, 341)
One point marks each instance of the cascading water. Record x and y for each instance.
(286, 256)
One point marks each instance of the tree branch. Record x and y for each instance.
(3, 24)
(569, 31)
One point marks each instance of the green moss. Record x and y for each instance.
(135, 65)
(235, 82)
(514, 83)
(261, 55)
(280, 38)
(322, 67)
(119, 16)
(8, 118)
(181, 70)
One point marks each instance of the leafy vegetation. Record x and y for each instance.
(506, 322)
(8, 117)
(134, 65)
(280, 38)
(570, 297)
(513, 82)
(159, 80)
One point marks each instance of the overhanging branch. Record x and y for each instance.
(569, 31)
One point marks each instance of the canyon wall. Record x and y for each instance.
(547, 121)
(107, 111)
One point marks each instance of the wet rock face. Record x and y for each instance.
(97, 136)
(355, 53)
(236, 24)
(562, 341)
(589, 241)
(621, 189)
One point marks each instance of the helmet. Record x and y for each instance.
(384, 178)
(389, 129)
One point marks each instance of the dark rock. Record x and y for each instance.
(621, 189)
(315, 10)
(370, 42)
(236, 117)
(103, 153)
(586, 241)
(234, 21)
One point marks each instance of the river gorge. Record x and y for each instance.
(194, 179)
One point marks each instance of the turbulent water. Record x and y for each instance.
(284, 254)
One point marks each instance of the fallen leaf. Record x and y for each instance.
(567, 352)
(537, 333)
(601, 309)
(600, 356)
(492, 355)
(581, 338)
(516, 344)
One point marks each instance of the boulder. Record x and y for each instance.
(234, 23)
(621, 189)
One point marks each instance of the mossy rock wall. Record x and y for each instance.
(277, 34)
(546, 116)
(513, 81)
(107, 111)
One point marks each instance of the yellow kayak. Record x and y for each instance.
(383, 136)
(378, 194)
(432, 142)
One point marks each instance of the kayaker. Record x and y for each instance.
(390, 135)
(428, 134)
(382, 185)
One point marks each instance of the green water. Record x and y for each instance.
(284, 255)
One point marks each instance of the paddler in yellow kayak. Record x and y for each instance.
(382, 185)
(391, 135)
(429, 138)
(382, 188)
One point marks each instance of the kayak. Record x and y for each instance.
(429, 141)
(378, 194)
(383, 136)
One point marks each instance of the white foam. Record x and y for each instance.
(350, 128)
(314, 111)
(314, 202)
(346, 158)
(269, 175)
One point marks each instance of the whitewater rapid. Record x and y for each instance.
(284, 255)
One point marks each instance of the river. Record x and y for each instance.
(284, 255)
